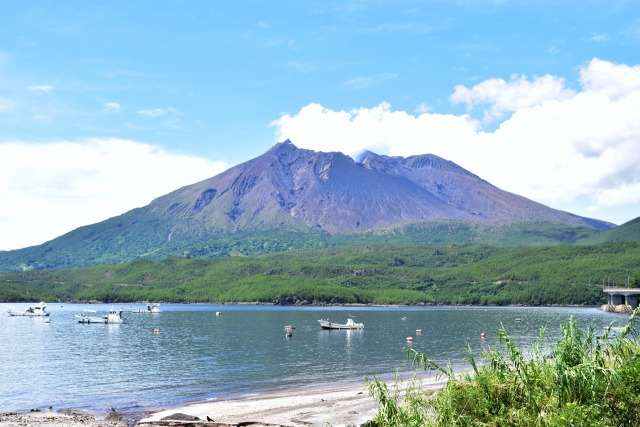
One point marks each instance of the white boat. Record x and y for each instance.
(113, 316)
(326, 324)
(88, 317)
(39, 309)
(151, 308)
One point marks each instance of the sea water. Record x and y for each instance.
(207, 352)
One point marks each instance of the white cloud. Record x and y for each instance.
(423, 108)
(48, 189)
(365, 82)
(111, 107)
(609, 79)
(377, 129)
(575, 150)
(600, 38)
(519, 92)
(41, 88)
(157, 112)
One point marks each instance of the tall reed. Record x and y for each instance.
(584, 379)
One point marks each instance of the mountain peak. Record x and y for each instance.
(283, 144)
(364, 155)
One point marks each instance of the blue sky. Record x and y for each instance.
(107, 105)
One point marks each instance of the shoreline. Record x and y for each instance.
(339, 405)
(317, 305)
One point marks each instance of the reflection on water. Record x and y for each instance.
(199, 355)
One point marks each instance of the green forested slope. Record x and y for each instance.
(629, 231)
(109, 242)
(408, 273)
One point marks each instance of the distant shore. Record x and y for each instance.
(314, 305)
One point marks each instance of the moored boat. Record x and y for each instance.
(113, 316)
(39, 309)
(88, 317)
(326, 324)
(151, 308)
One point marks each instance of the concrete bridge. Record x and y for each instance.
(621, 300)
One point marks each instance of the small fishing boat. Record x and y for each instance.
(113, 316)
(326, 324)
(39, 309)
(88, 316)
(151, 308)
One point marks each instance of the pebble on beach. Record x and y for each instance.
(59, 419)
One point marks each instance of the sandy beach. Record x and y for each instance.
(342, 405)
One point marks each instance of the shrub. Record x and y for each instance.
(582, 380)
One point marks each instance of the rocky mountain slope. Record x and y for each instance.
(288, 187)
(290, 197)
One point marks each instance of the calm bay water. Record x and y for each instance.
(198, 355)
